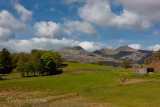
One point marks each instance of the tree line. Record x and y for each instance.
(36, 62)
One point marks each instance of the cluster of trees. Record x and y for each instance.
(36, 62)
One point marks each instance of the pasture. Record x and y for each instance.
(83, 88)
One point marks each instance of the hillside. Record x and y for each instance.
(154, 58)
(154, 61)
(111, 57)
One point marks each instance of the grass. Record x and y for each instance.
(141, 95)
(11, 75)
(66, 82)
(74, 66)
(86, 88)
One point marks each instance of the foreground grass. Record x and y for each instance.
(93, 88)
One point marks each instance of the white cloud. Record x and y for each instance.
(26, 15)
(48, 29)
(90, 46)
(46, 44)
(9, 25)
(6, 34)
(8, 21)
(74, 27)
(156, 32)
(154, 48)
(147, 9)
(135, 46)
(99, 12)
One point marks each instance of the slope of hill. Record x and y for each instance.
(154, 58)
(154, 61)
(109, 57)
(155, 65)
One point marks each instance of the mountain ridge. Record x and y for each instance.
(111, 57)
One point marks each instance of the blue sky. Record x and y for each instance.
(91, 24)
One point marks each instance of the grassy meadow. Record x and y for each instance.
(83, 88)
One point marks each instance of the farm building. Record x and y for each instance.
(144, 71)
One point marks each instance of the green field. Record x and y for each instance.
(83, 88)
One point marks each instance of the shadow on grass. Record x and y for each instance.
(2, 78)
(64, 65)
(57, 72)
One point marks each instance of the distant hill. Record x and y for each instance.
(111, 57)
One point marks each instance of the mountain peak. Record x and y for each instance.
(125, 48)
(73, 48)
(77, 48)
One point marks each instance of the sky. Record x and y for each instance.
(91, 24)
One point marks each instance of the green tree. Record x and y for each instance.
(28, 68)
(15, 58)
(47, 64)
(99, 63)
(5, 60)
(20, 67)
(57, 59)
(24, 65)
(35, 57)
(1, 62)
(126, 64)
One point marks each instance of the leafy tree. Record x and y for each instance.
(28, 68)
(57, 59)
(35, 62)
(1, 62)
(15, 58)
(126, 64)
(20, 67)
(24, 65)
(99, 63)
(24, 56)
(47, 64)
(6, 65)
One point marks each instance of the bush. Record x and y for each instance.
(126, 64)
(99, 63)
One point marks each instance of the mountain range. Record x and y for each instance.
(110, 57)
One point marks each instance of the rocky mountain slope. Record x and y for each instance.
(153, 61)
(109, 57)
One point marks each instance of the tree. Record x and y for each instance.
(57, 59)
(28, 68)
(20, 67)
(5, 60)
(47, 64)
(99, 63)
(1, 62)
(35, 62)
(15, 58)
(126, 64)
